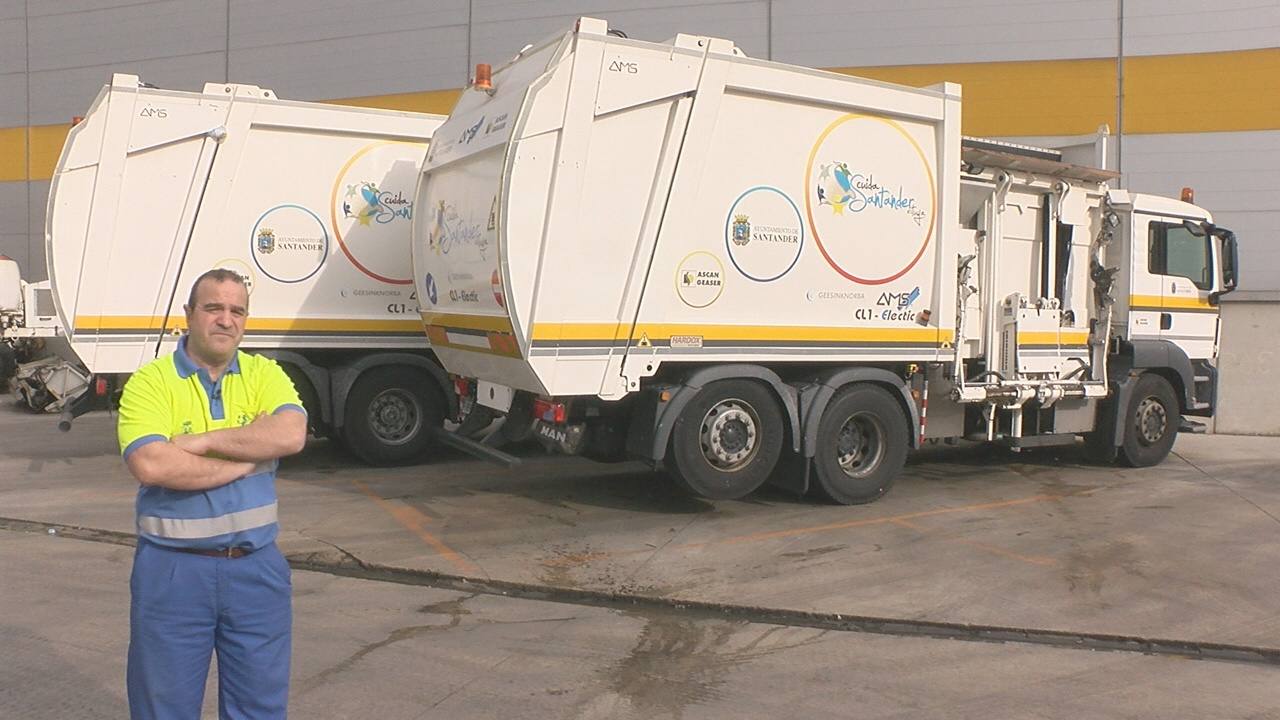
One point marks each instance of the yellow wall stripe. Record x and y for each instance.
(1200, 92)
(13, 154)
(1049, 97)
(439, 102)
(1205, 92)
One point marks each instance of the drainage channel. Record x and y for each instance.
(701, 610)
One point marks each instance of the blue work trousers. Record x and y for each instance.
(187, 606)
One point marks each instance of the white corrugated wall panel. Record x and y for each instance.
(13, 99)
(13, 46)
(396, 62)
(169, 29)
(59, 95)
(500, 28)
(916, 32)
(1236, 176)
(14, 240)
(1162, 27)
(256, 24)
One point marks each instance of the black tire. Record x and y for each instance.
(863, 439)
(307, 394)
(391, 415)
(1151, 422)
(727, 440)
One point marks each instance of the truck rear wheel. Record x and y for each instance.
(391, 415)
(862, 445)
(727, 440)
(1150, 422)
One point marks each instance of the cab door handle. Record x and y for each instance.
(1166, 321)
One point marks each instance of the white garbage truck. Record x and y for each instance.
(743, 270)
(311, 203)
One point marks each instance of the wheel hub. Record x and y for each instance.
(394, 417)
(860, 445)
(1151, 420)
(729, 434)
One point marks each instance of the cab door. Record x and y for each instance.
(1180, 257)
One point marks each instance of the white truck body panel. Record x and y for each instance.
(639, 206)
(311, 203)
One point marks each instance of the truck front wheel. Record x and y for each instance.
(862, 445)
(1151, 422)
(727, 440)
(391, 415)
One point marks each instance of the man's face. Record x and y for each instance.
(216, 321)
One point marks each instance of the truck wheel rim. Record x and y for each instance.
(860, 445)
(394, 417)
(1152, 421)
(729, 435)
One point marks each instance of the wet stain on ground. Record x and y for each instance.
(813, 552)
(678, 662)
(1086, 569)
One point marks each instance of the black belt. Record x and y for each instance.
(231, 552)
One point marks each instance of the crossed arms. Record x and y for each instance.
(183, 463)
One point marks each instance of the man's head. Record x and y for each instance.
(216, 312)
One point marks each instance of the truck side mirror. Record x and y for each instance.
(1230, 261)
(1195, 228)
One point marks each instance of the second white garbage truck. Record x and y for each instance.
(311, 203)
(741, 269)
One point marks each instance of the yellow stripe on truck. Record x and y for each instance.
(1055, 339)
(1157, 302)
(608, 333)
(479, 323)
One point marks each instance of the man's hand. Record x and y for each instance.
(197, 444)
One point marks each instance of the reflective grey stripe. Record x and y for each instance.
(191, 529)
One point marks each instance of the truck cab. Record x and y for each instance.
(1176, 265)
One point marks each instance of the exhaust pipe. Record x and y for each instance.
(78, 406)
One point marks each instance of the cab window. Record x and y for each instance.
(1173, 250)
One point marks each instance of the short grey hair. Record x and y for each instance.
(217, 275)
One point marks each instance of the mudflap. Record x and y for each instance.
(566, 439)
(791, 473)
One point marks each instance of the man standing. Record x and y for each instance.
(202, 430)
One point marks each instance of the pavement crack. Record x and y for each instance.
(345, 552)
(632, 575)
(467, 684)
(1228, 488)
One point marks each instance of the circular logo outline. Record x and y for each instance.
(333, 211)
(728, 223)
(253, 239)
(808, 201)
(680, 268)
(224, 262)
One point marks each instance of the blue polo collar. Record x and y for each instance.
(187, 367)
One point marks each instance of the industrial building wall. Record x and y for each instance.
(1190, 90)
